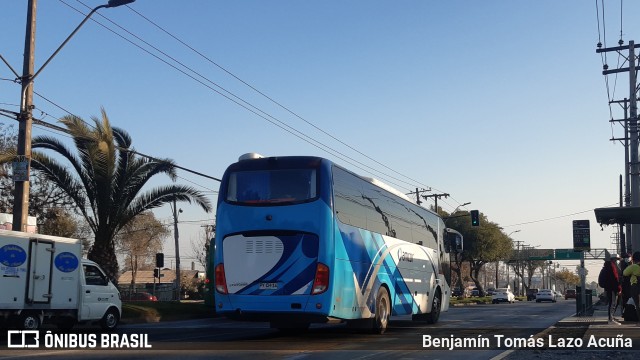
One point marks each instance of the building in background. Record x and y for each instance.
(6, 223)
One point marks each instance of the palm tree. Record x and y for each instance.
(105, 181)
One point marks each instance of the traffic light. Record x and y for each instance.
(156, 273)
(159, 260)
(475, 218)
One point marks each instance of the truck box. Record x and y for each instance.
(44, 278)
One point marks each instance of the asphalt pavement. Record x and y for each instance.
(595, 336)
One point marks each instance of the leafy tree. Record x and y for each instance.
(200, 246)
(530, 267)
(105, 180)
(482, 244)
(567, 278)
(140, 239)
(58, 222)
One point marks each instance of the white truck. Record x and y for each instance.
(44, 279)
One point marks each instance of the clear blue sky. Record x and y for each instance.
(500, 103)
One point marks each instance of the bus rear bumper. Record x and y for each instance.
(274, 308)
(288, 317)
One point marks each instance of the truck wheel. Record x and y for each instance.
(110, 319)
(381, 320)
(29, 321)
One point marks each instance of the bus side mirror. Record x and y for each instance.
(454, 241)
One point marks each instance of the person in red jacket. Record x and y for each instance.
(612, 284)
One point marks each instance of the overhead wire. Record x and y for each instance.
(286, 127)
(271, 99)
(554, 218)
(53, 103)
(253, 109)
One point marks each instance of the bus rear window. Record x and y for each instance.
(260, 187)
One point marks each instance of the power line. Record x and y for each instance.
(248, 106)
(241, 102)
(287, 109)
(555, 217)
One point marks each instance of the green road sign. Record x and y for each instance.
(539, 254)
(568, 254)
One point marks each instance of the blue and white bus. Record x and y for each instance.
(301, 240)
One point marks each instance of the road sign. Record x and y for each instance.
(581, 235)
(568, 254)
(539, 254)
(21, 170)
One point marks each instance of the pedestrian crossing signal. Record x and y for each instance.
(475, 218)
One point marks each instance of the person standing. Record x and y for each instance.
(624, 281)
(611, 285)
(633, 272)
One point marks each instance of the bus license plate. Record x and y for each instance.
(268, 286)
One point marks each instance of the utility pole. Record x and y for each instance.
(634, 236)
(625, 231)
(417, 194)
(518, 270)
(22, 164)
(436, 197)
(21, 193)
(176, 237)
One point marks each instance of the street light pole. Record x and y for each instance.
(22, 165)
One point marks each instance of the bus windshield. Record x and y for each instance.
(281, 186)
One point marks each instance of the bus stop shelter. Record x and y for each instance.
(618, 215)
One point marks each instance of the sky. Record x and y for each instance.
(499, 103)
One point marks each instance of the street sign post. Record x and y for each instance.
(581, 235)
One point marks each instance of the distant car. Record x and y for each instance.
(477, 292)
(142, 296)
(559, 295)
(456, 292)
(545, 295)
(491, 291)
(503, 295)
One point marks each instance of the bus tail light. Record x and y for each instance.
(321, 281)
(220, 279)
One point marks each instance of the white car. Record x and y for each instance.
(503, 295)
(546, 295)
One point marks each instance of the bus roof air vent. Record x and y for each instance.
(250, 156)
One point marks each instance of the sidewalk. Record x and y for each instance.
(600, 340)
(599, 319)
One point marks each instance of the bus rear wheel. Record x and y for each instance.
(436, 307)
(383, 306)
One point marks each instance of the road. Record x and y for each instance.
(201, 339)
